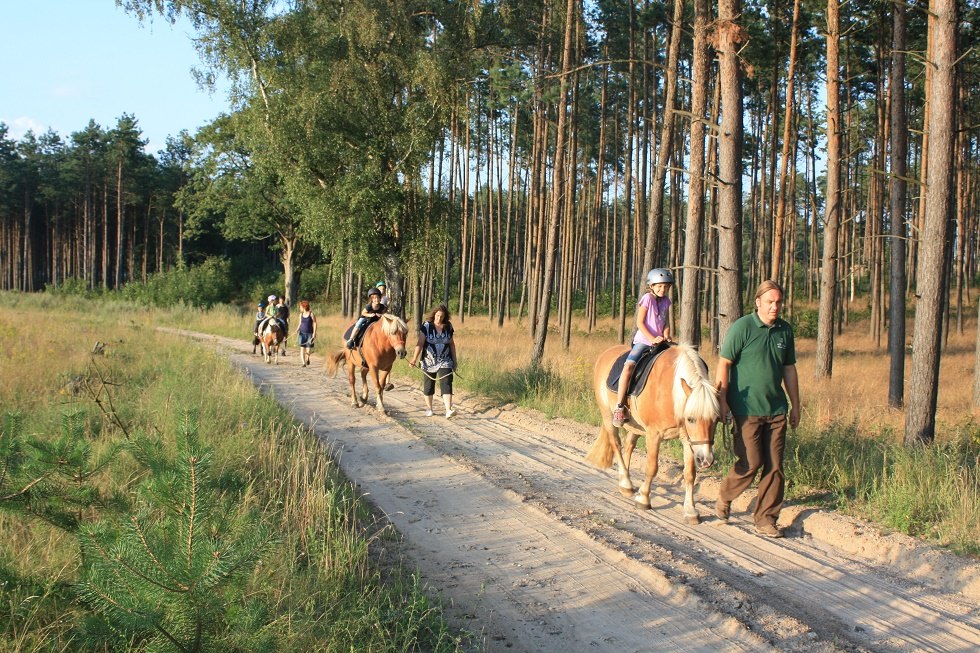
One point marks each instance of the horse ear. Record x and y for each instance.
(687, 389)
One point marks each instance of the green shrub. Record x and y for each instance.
(204, 285)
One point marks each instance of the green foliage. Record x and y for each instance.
(170, 573)
(539, 387)
(804, 322)
(931, 492)
(204, 285)
(49, 478)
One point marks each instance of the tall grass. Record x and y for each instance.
(331, 582)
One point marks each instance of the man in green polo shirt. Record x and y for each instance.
(758, 359)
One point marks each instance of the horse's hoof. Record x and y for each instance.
(642, 502)
(627, 492)
(693, 520)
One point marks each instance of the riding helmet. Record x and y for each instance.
(659, 275)
(374, 291)
(381, 284)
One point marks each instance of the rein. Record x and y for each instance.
(436, 378)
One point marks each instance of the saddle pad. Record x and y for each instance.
(348, 332)
(640, 373)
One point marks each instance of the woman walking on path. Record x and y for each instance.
(439, 359)
(306, 331)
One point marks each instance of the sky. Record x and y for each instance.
(66, 62)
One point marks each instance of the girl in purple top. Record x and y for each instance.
(652, 328)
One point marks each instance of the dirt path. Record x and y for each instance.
(536, 551)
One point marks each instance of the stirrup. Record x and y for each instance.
(619, 416)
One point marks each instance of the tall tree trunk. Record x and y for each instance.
(690, 331)
(899, 172)
(920, 422)
(557, 190)
(120, 225)
(729, 36)
(651, 247)
(779, 223)
(824, 358)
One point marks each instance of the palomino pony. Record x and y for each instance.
(270, 338)
(678, 401)
(383, 342)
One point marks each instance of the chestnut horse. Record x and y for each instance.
(270, 337)
(383, 342)
(678, 401)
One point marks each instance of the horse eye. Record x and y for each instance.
(691, 420)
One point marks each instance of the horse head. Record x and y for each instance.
(396, 330)
(696, 402)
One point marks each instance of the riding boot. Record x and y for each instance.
(621, 412)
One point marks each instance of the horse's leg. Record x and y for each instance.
(691, 515)
(364, 386)
(349, 364)
(653, 460)
(631, 439)
(379, 389)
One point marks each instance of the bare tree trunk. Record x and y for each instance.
(824, 358)
(730, 35)
(779, 222)
(651, 247)
(899, 172)
(976, 365)
(690, 331)
(557, 189)
(920, 422)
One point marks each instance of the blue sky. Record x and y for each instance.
(68, 61)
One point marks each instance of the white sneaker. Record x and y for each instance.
(450, 413)
(428, 413)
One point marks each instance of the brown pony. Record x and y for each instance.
(270, 338)
(383, 342)
(678, 401)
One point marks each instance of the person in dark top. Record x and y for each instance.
(757, 361)
(437, 350)
(306, 331)
(282, 314)
(371, 313)
(259, 319)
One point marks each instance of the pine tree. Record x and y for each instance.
(170, 574)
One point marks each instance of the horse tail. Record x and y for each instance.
(601, 453)
(333, 362)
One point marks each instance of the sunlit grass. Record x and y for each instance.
(329, 578)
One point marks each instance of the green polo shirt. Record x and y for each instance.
(758, 353)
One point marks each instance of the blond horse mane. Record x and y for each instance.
(702, 404)
(392, 324)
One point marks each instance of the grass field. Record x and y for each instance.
(151, 498)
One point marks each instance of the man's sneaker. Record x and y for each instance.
(769, 530)
(722, 509)
(619, 416)
(450, 413)
(428, 413)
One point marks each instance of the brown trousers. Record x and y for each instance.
(759, 443)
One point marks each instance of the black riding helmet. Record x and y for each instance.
(374, 291)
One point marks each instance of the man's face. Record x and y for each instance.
(768, 306)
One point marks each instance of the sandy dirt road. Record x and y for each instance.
(535, 550)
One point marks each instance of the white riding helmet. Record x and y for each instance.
(272, 298)
(659, 275)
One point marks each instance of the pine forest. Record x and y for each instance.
(530, 160)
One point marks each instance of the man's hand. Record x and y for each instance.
(794, 417)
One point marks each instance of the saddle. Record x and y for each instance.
(640, 373)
